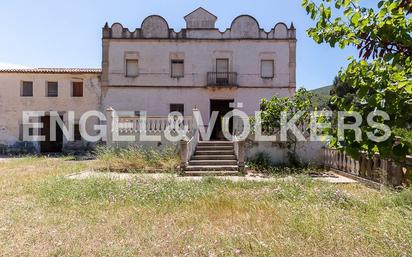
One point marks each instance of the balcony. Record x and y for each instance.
(222, 79)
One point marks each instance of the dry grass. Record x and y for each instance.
(137, 159)
(44, 214)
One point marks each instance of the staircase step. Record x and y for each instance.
(214, 152)
(211, 173)
(212, 168)
(214, 157)
(219, 147)
(214, 143)
(212, 162)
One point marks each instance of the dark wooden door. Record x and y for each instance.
(49, 146)
(223, 107)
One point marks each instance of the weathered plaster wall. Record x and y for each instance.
(156, 101)
(307, 152)
(199, 58)
(12, 104)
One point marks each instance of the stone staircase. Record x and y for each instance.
(213, 158)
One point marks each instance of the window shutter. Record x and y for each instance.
(178, 68)
(132, 68)
(52, 89)
(222, 65)
(267, 69)
(77, 89)
(27, 88)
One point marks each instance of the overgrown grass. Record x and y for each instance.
(262, 163)
(137, 159)
(45, 213)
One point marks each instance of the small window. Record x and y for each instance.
(77, 89)
(267, 69)
(27, 88)
(132, 68)
(52, 89)
(77, 134)
(178, 68)
(177, 108)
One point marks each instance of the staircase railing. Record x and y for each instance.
(188, 147)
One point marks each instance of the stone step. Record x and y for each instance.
(214, 157)
(212, 168)
(219, 147)
(212, 162)
(211, 173)
(214, 143)
(214, 152)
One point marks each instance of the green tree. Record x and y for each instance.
(272, 109)
(382, 76)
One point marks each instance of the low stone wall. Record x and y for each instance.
(310, 153)
(382, 171)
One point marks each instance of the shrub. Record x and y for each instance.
(137, 159)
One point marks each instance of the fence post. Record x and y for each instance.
(109, 126)
(241, 155)
(183, 154)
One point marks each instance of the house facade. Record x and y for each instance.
(157, 70)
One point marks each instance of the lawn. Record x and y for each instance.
(45, 214)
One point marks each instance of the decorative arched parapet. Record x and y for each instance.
(245, 26)
(117, 30)
(155, 26)
(281, 31)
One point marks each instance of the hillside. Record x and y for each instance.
(322, 96)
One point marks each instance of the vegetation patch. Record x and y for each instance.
(45, 213)
(137, 159)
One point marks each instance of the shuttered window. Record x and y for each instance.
(52, 89)
(27, 88)
(267, 68)
(77, 89)
(132, 68)
(178, 68)
(222, 65)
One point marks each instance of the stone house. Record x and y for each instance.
(157, 70)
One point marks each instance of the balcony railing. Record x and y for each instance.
(222, 79)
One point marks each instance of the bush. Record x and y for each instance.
(262, 163)
(137, 159)
(406, 136)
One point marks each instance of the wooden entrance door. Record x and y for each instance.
(223, 107)
(49, 146)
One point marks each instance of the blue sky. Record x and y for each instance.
(55, 33)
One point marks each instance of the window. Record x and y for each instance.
(132, 68)
(77, 89)
(52, 89)
(267, 69)
(27, 88)
(222, 71)
(178, 68)
(77, 135)
(177, 108)
(222, 65)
